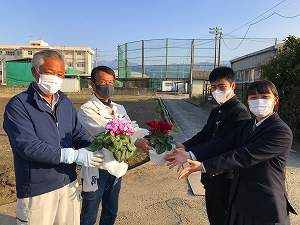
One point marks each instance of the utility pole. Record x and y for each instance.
(96, 57)
(191, 69)
(177, 77)
(218, 35)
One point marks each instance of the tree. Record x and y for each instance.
(284, 71)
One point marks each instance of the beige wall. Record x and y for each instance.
(76, 56)
(198, 87)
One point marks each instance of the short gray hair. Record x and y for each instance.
(38, 58)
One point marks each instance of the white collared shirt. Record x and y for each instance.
(54, 99)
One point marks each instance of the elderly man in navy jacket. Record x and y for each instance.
(43, 130)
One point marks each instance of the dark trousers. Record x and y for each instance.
(238, 219)
(216, 199)
(108, 192)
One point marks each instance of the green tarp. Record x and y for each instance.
(18, 73)
(73, 71)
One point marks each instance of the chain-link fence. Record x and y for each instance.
(175, 58)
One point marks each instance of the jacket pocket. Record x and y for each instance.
(260, 187)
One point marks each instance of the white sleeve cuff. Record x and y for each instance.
(203, 168)
(193, 156)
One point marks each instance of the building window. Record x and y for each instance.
(70, 64)
(81, 64)
(29, 52)
(67, 53)
(19, 53)
(0, 52)
(10, 53)
(80, 53)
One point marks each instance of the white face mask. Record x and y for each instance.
(261, 107)
(49, 84)
(220, 96)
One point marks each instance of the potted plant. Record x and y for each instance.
(160, 139)
(116, 145)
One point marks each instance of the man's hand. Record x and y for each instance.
(193, 167)
(81, 157)
(179, 145)
(143, 144)
(88, 158)
(178, 157)
(170, 157)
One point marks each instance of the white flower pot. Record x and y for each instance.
(111, 165)
(158, 159)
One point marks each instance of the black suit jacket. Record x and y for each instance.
(221, 122)
(258, 159)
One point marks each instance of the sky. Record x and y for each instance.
(106, 24)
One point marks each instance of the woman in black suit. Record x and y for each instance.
(257, 151)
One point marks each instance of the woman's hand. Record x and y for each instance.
(193, 167)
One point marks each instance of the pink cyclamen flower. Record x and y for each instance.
(119, 126)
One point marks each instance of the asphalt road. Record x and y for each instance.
(188, 117)
(152, 195)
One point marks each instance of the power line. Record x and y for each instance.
(257, 17)
(257, 23)
(274, 13)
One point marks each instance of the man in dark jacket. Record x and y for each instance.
(43, 130)
(221, 121)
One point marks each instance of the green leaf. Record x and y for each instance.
(96, 144)
(153, 140)
(131, 147)
(117, 155)
(160, 148)
(168, 147)
(111, 148)
(129, 154)
(118, 144)
(123, 151)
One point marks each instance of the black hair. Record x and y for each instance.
(222, 72)
(97, 69)
(263, 87)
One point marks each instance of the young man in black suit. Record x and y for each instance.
(221, 122)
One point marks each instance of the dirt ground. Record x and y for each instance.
(134, 105)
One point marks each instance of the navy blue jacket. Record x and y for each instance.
(36, 135)
(258, 159)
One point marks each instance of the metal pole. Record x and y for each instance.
(215, 51)
(126, 60)
(216, 31)
(96, 57)
(119, 59)
(160, 69)
(219, 58)
(166, 58)
(177, 76)
(183, 69)
(191, 70)
(2, 72)
(143, 59)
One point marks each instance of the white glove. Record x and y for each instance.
(81, 157)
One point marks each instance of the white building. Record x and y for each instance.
(247, 68)
(79, 58)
